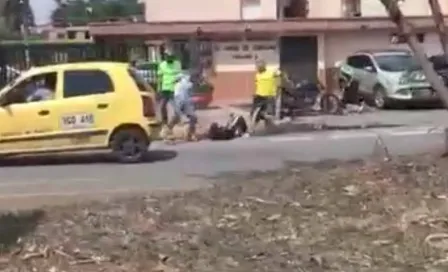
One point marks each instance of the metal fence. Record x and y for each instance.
(18, 56)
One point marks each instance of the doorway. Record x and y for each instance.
(298, 57)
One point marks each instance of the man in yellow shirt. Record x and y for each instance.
(266, 85)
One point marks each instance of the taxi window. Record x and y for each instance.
(139, 81)
(86, 82)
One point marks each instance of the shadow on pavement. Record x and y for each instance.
(153, 156)
(16, 225)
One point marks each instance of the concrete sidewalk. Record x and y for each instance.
(383, 118)
(372, 117)
(386, 118)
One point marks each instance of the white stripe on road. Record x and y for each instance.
(414, 132)
(409, 133)
(291, 138)
(354, 135)
(418, 131)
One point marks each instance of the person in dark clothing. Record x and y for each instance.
(235, 127)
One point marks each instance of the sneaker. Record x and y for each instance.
(192, 138)
(168, 133)
(163, 132)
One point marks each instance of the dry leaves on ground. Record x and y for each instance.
(329, 216)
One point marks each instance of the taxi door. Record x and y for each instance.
(87, 95)
(10, 131)
(28, 126)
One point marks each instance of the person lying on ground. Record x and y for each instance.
(235, 127)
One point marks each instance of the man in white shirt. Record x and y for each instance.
(183, 105)
(40, 90)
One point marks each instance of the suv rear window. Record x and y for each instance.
(139, 81)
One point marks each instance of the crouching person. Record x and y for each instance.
(183, 105)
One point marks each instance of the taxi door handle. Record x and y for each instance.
(44, 112)
(102, 106)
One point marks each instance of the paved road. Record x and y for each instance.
(185, 166)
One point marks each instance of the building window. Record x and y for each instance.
(87, 35)
(250, 9)
(184, 53)
(71, 35)
(401, 39)
(60, 36)
(351, 8)
(295, 8)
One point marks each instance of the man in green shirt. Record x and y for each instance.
(168, 72)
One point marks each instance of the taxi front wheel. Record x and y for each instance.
(129, 145)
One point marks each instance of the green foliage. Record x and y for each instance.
(12, 14)
(81, 12)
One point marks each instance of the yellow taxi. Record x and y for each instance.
(78, 106)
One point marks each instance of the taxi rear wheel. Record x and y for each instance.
(129, 145)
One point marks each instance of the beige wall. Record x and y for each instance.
(374, 8)
(332, 49)
(370, 8)
(444, 6)
(226, 60)
(325, 9)
(206, 10)
(202, 10)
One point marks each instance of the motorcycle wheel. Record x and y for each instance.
(330, 104)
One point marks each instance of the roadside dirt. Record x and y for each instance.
(331, 216)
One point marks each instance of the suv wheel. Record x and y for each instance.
(380, 98)
(129, 145)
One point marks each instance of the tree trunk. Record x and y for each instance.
(407, 29)
(440, 23)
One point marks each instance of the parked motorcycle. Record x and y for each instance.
(307, 96)
(440, 66)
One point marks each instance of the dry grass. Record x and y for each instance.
(331, 216)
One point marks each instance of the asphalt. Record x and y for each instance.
(194, 164)
(27, 182)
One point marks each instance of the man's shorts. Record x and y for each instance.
(184, 107)
(165, 95)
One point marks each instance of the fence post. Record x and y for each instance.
(3, 71)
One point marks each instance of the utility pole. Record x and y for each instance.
(24, 30)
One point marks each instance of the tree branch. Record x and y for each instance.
(407, 30)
